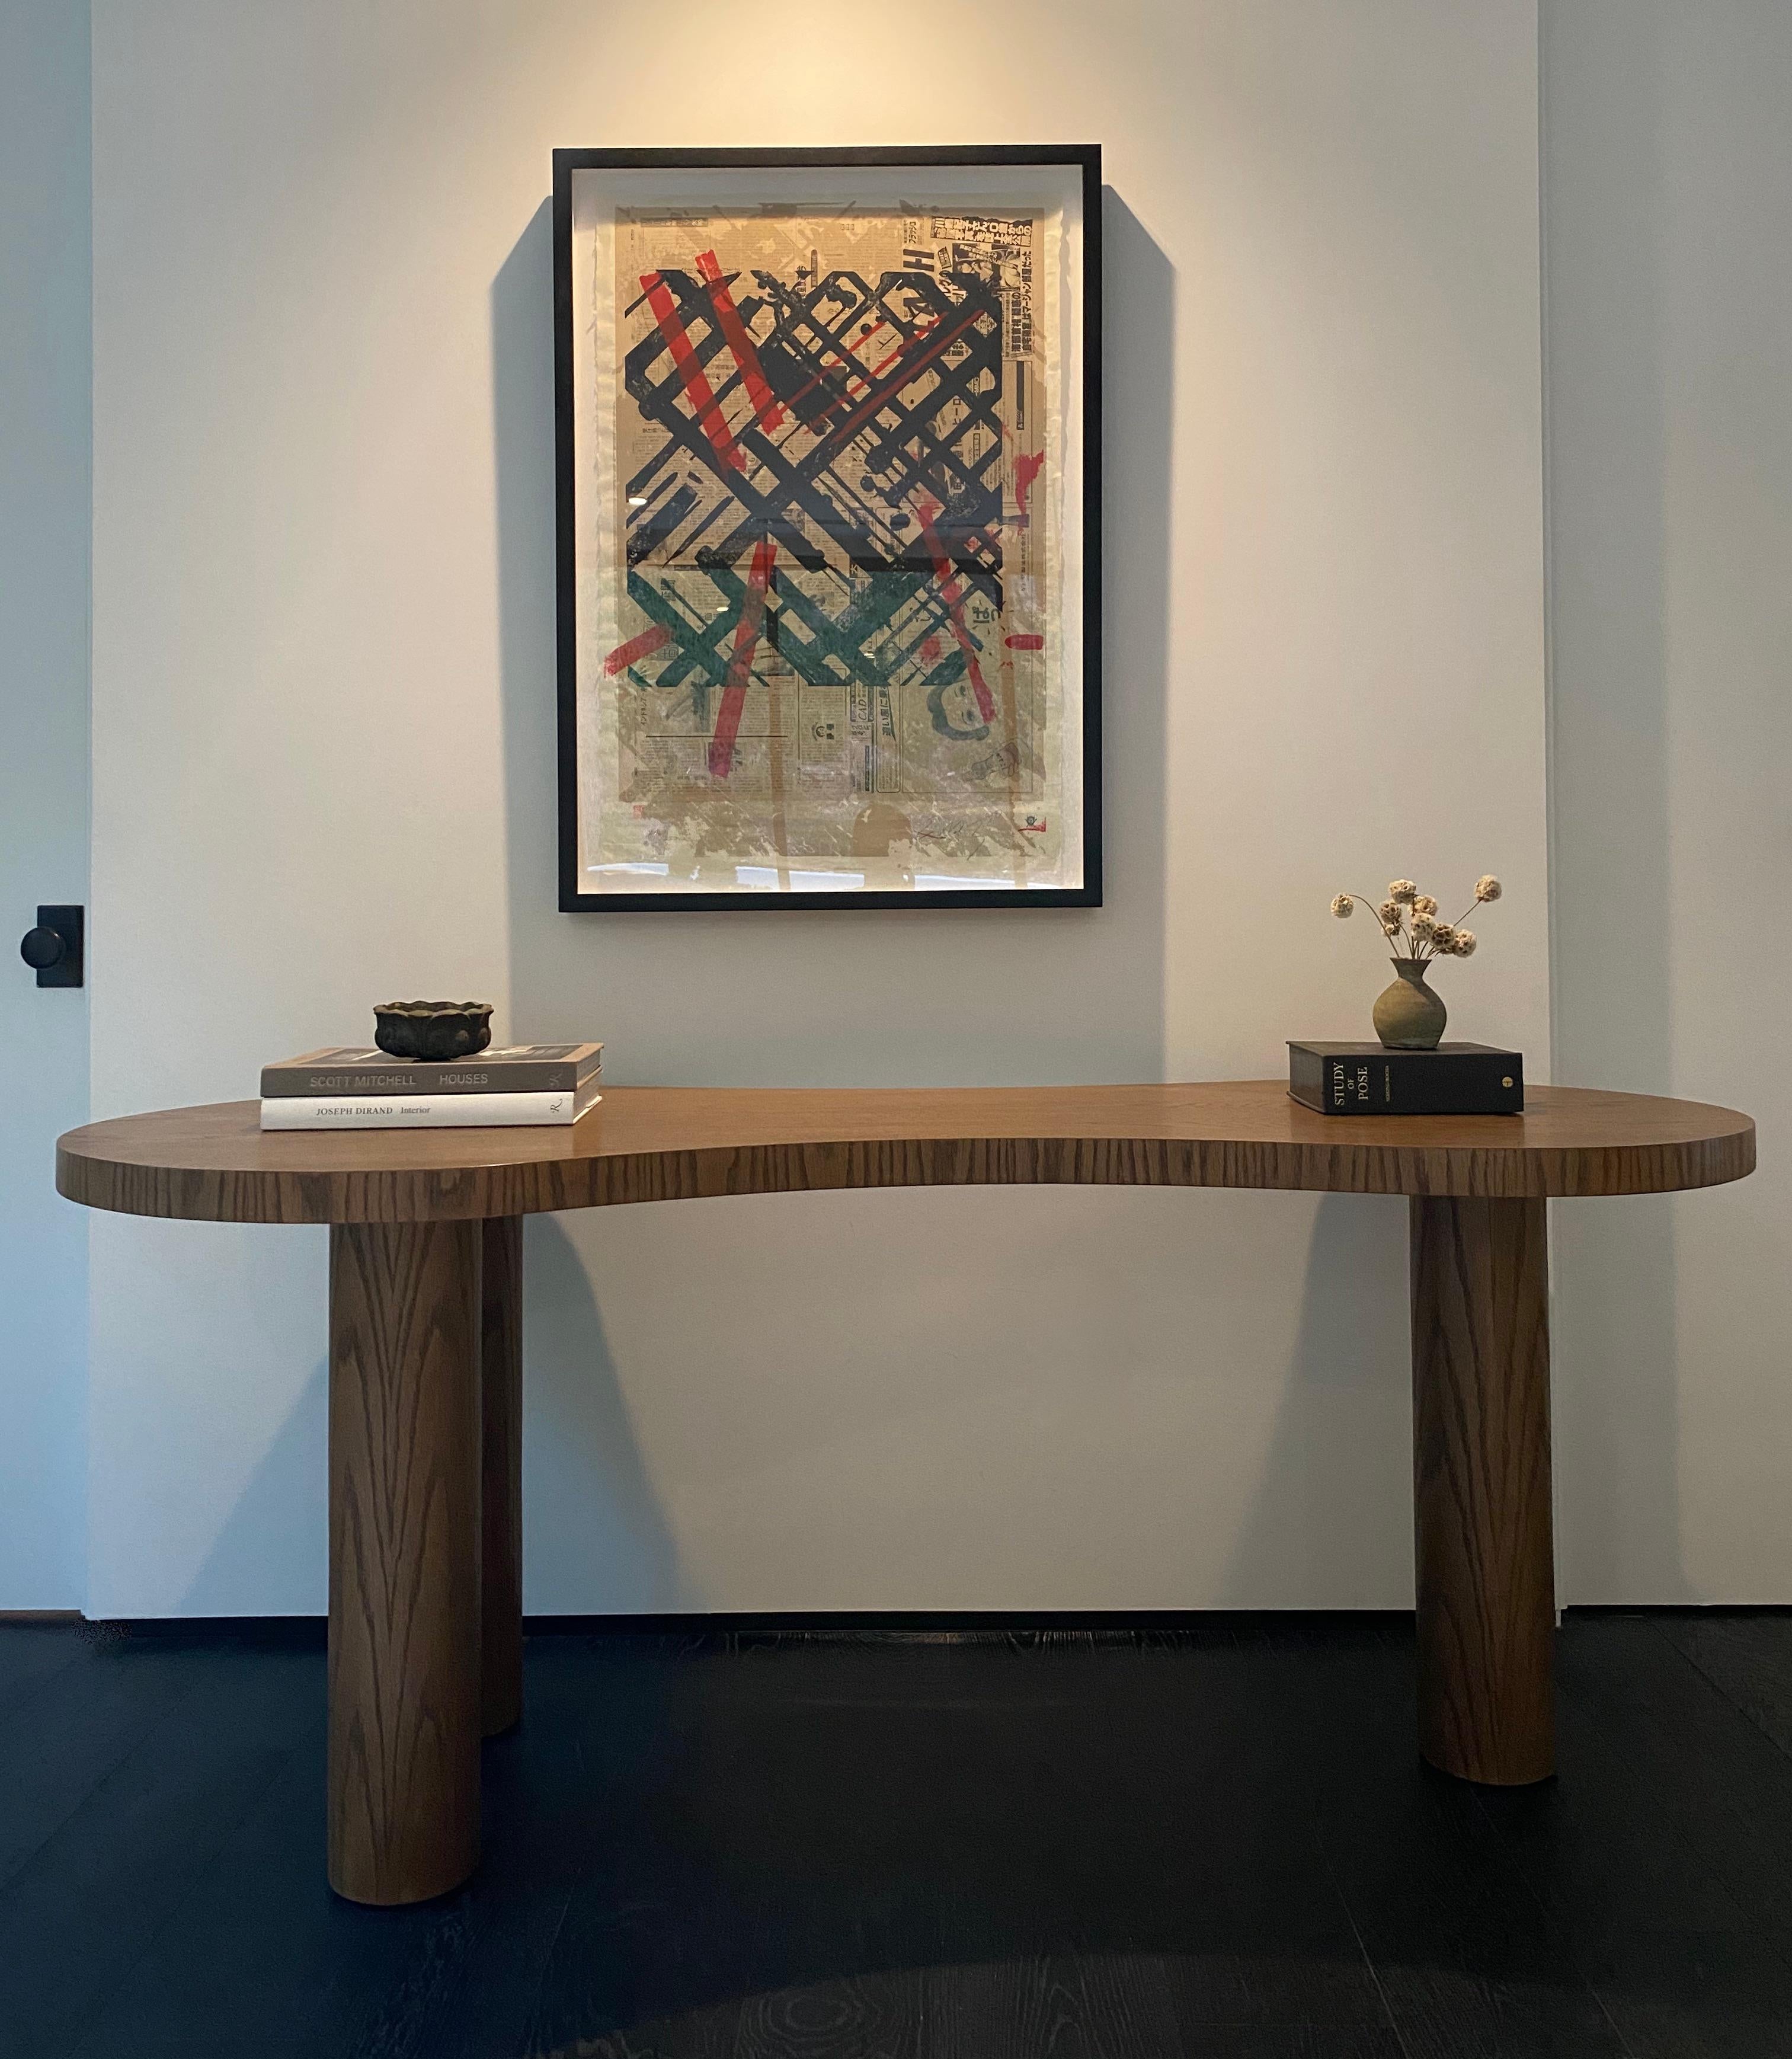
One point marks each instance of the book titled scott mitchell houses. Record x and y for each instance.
(353, 1087)
(1368, 1079)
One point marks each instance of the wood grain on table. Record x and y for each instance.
(647, 1144)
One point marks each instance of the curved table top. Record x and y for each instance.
(651, 1143)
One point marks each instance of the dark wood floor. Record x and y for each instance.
(1216, 1843)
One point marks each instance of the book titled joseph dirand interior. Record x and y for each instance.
(1368, 1079)
(355, 1087)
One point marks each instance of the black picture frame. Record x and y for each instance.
(1087, 157)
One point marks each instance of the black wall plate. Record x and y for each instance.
(56, 947)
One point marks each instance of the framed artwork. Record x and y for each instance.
(828, 466)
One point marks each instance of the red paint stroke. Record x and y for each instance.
(642, 646)
(907, 344)
(697, 390)
(740, 663)
(954, 595)
(1026, 470)
(941, 342)
(1025, 643)
(765, 402)
(820, 425)
(930, 650)
(856, 374)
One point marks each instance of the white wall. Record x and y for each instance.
(1668, 188)
(45, 372)
(323, 753)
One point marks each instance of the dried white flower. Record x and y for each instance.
(1487, 888)
(1389, 913)
(1464, 944)
(1444, 939)
(1425, 922)
(1402, 889)
(1342, 905)
(1425, 904)
(1391, 930)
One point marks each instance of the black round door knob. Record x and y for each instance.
(41, 948)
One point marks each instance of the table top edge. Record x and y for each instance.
(103, 1164)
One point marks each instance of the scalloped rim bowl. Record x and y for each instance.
(433, 1031)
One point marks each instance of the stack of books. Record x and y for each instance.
(355, 1087)
(1368, 1079)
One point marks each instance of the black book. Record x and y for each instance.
(1368, 1079)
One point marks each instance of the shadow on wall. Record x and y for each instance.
(1616, 1397)
(597, 1540)
(1345, 1420)
(843, 996)
(597, 1525)
(270, 1557)
(788, 998)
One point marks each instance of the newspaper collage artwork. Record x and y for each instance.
(830, 565)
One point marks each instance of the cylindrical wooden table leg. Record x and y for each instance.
(404, 1559)
(501, 1355)
(1481, 1472)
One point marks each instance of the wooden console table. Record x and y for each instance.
(425, 1317)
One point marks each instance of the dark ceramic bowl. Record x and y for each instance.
(432, 1029)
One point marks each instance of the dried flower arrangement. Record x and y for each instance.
(1409, 918)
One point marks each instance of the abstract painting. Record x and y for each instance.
(828, 528)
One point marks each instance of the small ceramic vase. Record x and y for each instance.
(1408, 1015)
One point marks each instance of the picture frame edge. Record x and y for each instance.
(567, 159)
